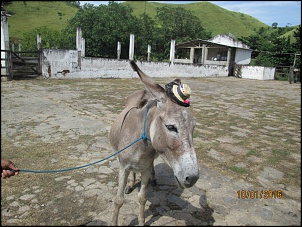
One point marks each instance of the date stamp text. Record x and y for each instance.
(259, 194)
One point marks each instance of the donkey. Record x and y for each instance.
(163, 118)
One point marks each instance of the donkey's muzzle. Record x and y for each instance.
(190, 180)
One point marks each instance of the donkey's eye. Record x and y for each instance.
(171, 128)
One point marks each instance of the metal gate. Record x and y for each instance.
(21, 64)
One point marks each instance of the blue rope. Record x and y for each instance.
(143, 137)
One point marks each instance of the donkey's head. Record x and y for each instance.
(171, 130)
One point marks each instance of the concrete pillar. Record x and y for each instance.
(131, 47)
(83, 47)
(79, 39)
(39, 41)
(192, 50)
(13, 47)
(206, 53)
(172, 51)
(4, 31)
(203, 53)
(229, 56)
(119, 50)
(149, 52)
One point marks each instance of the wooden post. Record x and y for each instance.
(119, 50)
(291, 74)
(149, 52)
(131, 47)
(19, 48)
(295, 61)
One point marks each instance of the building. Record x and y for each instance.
(220, 50)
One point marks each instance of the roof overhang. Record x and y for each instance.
(198, 43)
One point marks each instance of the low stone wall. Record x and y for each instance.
(68, 64)
(258, 72)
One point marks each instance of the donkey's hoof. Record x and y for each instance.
(153, 183)
(128, 189)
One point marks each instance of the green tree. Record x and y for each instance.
(274, 25)
(178, 24)
(297, 46)
(103, 26)
(145, 36)
(50, 39)
(270, 49)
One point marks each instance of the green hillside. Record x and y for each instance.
(291, 34)
(27, 15)
(213, 18)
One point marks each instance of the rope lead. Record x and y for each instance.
(143, 137)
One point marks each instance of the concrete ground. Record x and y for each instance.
(247, 139)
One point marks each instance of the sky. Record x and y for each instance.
(285, 13)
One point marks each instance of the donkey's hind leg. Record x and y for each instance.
(153, 179)
(119, 198)
(131, 183)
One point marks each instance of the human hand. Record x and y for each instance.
(8, 169)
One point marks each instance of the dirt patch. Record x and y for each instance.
(246, 129)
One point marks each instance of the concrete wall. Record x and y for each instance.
(228, 41)
(63, 60)
(68, 64)
(59, 60)
(243, 56)
(258, 72)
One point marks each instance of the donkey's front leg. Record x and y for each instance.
(142, 195)
(119, 198)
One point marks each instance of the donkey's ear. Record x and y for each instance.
(178, 81)
(157, 91)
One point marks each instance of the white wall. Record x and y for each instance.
(60, 60)
(228, 41)
(243, 57)
(258, 72)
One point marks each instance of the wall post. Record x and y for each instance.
(131, 47)
(172, 51)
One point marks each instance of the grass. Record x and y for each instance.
(53, 15)
(277, 156)
(252, 152)
(239, 170)
(212, 17)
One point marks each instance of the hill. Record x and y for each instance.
(27, 15)
(213, 18)
(291, 34)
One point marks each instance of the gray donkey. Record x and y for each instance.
(155, 121)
